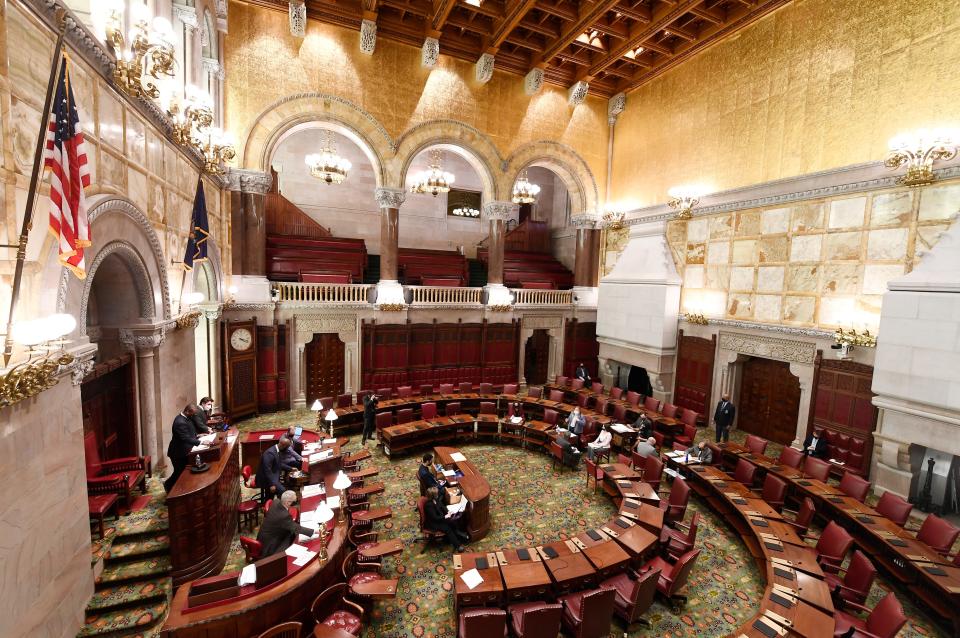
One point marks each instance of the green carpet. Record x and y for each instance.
(544, 506)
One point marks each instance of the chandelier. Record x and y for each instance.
(465, 211)
(147, 58)
(434, 180)
(918, 151)
(524, 192)
(685, 199)
(326, 165)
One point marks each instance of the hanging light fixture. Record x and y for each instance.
(918, 151)
(434, 180)
(465, 211)
(327, 165)
(524, 192)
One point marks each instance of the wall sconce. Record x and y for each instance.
(150, 55)
(44, 339)
(695, 318)
(844, 341)
(217, 150)
(685, 199)
(614, 220)
(918, 151)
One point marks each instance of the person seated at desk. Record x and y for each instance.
(703, 453)
(295, 443)
(646, 447)
(426, 476)
(438, 519)
(644, 426)
(816, 445)
(601, 444)
(279, 530)
(582, 374)
(576, 422)
(517, 409)
(272, 463)
(571, 455)
(290, 458)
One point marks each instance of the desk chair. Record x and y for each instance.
(466, 387)
(597, 387)
(774, 491)
(670, 410)
(534, 393)
(482, 622)
(675, 508)
(355, 572)
(756, 444)
(333, 609)
(676, 541)
(452, 408)
(653, 471)
(583, 400)
(816, 469)
(404, 416)
(283, 630)
(557, 453)
(600, 407)
(652, 404)
(854, 486)
(883, 621)
(894, 508)
(634, 594)
(535, 620)
(791, 457)
(382, 420)
(620, 413)
(426, 389)
(386, 393)
(248, 511)
(857, 580)
(426, 535)
(510, 388)
(446, 388)
(673, 577)
(616, 393)
(561, 380)
(938, 533)
(252, 548)
(556, 395)
(486, 388)
(832, 547)
(428, 410)
(745, 472)
(488, 407)
(633, 398)
(587, 614)
(576, 384)
(363, 540)
(689, 434)
(405, 391)
(802, 517)
(594, 474)
(119, 476)
(344, 400)
(550, 416)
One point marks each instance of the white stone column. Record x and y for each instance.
(144, 345)
(497, 213)
(301, 385)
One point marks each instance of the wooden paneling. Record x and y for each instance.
(695, 359)
(769, 400)
(267, 368)
(843, 406)
(536, 358)
(108, 405)
(325, 366)
(580, 346)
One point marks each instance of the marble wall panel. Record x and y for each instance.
(744, 251)
(696, 253)
(718, 277)
(110, 121)
(842, 246)
(113, 173)
(693, 277)
(939, 202)
(748, 223)
(136, 140)
(25, 123)
(890, 244)
(807, 217)
(740, 305)
(841, 279)
(875, 278)
(741, 278)
(721, 227)
(805, 248)
(137, 189)
(775, 221)
(767, 308)
(891, 209)
(799, 309)
(774, 249)
(847, 213)
(802, 278)
(836, 311)
(698, 230)
(770, 278)
(718, 252)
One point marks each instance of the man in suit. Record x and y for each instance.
(723, 417)
(271, 467)
(703, 453)
(581, 373)
(571, 455)
(646, 447)
(369, 417)
(425, 474)
(438, 519)
(295, 443)
(199, 418)
(279, 530)
(816, 445)
(183, 439)
(643, 426)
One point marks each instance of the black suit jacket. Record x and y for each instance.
(200, 422)
(435, 512)
(427, 479)
(183, 439)
(279, 531)
(820, 451)
(581, 373)
(269, 471)
(724, 414)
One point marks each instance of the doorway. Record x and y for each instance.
(639, 381)
(536, 360)
(769, 400)
(325, 368)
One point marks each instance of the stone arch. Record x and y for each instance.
(276, 121)
(212, 271)
(463, 139)
(133, 261)
(566, 163)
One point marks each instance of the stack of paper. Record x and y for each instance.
(304, 558)
(312, 490)
(458, 507)
(471, 578)
(248, 576)
(296, 550)
(329, 441)
(333, 502)
(266, 437)
(621, 428)
(458, 457)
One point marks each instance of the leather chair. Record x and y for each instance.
(594, 474)
(854, 486)
(883, 621)
(620, 413)
(774, 491)
(597, 387)
(745, 472)
(675, 541)
(252, 548)
(894, 508)
(404, 416)
(563, 380)
(556, 453)
(452, 408)
(689, 434)
(383, 420)
(670, 410)
(362, 540)
(426, 389)
(535, 393)
(653, 471)
(756, 444)
(115, 476)
(466, 387)
(660, 438)
(356, 572)
(791, 457)
(248, 511)
(362, 394)
(616, 393)
(510, 388)
(673, 577)
(857, 580)
(386, 393)
(689, 417)
(486, 388)
(404, 392)
(535, 620)
(816, 469)
(803, 517)
(426, 535)
(832, 547)
(675, 508)
(482, 621)
(587, 614)
(652, 404)
(576, 384)
(333, 609)
(344, 400)
(600, 407)
(428, 410)
(583, 400)
(283, 630)
(635, 594)
(550, 416)
(633, 398)
(556, 395)
(938, 533)
(488, 407)
(446, 388)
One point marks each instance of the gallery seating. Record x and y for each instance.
(321, 260)
(523, 269)
(119, 476)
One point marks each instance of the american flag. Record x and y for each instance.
(66, 160)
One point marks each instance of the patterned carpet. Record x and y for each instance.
(547, 505)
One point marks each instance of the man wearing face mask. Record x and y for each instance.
(202, 414)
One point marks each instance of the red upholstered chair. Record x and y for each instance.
(854, 486)
(857, 580)
(488, 407)
(404, 416)
(587, 614)
(756, 444)
(673, 577)
(689, 434)
(357, 572)
(452, 408)
(535, 620)
(362, 394)
(333, 609)
(405, 392)
(327, 402)
(938, 533)
(894, 508)
(446, 388)
(791, 457)
(426, 535)
(466, 387)
(362, 540)
(535, 393)
(594, 474)
(600, 407)
(583, 399)
(556, 395)
(659, 437)
(620, 413)
(816, 469)
(248, 511)
(386, 393)
(633, 398)
(283, 630)
(745, 472)
(556, 455)
(677, 542)
(116, 476)
(651, 403)
(550, 416)
(883, 621)
(563, 380)
(597, 387)
(675, 508)
(679, 447)
(774, 491)
(653, 471)
(383, 420)
(616, 393)
(670, 410)
(832, 547)
(344, 400)
(482, 622)
(486, 388)
(803, 517)
(576, 384)
(635, 594)
(251, 547)
(689, 417)
(426, 389)
(428, 410)
(510, 388)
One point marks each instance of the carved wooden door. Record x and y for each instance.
(769, 400)
(537, 358)
(325, 367)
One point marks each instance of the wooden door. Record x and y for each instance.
(537, 358)
(769, 400)
(325, 368)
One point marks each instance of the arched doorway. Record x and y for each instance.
(769, 401)
(537, 357)
(324, 356)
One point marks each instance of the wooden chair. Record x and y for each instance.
(426, 535)
(635, 594)
(248, 511)
(594, 474)
(333, 609)
(283, 630)
(356, 572)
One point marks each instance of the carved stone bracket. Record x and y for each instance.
(578, 93)
(588, 221)
(213, 67)
(430, 53)
(188, 16)
(788, 350)
(499, 210)
(389, 197)
(368, 36)
(249, 181)
(484, 68)
(298, 18)
(616, 106)
(533, 81)
(136, 340)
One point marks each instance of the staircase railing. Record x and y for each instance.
(540, 297)
(444, 295)
(286, 218)
(321, 293)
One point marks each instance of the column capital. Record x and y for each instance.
(578, 93)
(186, 15)
(140, 340)
(502, 210)
(368, 36)
(587, 221)
(390, 197)
(616, 106)
(246, 180)
(533, 81)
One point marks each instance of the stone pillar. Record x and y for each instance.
(144, 345)
(586, 269)
(249, 233)
(497, 212)
(389, 290)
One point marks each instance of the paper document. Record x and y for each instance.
(231, 439)
(304, 559)
(320, 456)
(312, 490)
(456, 456)
(266, 437)
(333, 502)
(456, 508)
(835, 461)
(449, 473)
(621, 428)
(670, 472)
(296, 550)
(198, 448)
(248, 576)
(329, 441)
(471, 578)
(516, 420)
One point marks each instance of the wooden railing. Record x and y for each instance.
(536, 297)
(285, 218)
(322, 293)
(444, 295)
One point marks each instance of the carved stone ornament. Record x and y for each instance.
(578, 93)
(80, 370)
(344, 325)
(536, 322)
(587, 221)
(188, 16)
(204, 36)
(134, 341)
(615, 107)
(499, 210)
(212, 67)
(533, 82)
(249, 181)
(389, 197)
(430, 53)
(221, 8)
(298, 18)
(368, 36)
(484, 68)
(787, 350)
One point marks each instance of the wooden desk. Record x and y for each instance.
(380, 589)
(524, 579)
(203, 515)
(475, 488)
(253, 444)
(370, 516)
(489, 593)
(383, 548)
(569, 570)
(606, 555)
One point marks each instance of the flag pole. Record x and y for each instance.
(34, 182)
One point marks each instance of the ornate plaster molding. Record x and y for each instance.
(588, 221)
(430, 53)
(186, 15)
(484, 68)
(575, 172)
(533, 81)
(249, 181)
(84, 360)
(788, 350)
(298, 18)
(345, 305)
(368, 36)
(813, 333)
(343, 324)
(248, 306)
(135, 339)
(541, 322)
(389, 197)
(578, 93)
(502, 210)
(213, 67)
(616, 106)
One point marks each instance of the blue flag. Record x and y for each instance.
(199, 230)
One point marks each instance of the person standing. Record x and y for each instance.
(183, 440)
(723, 417)
(369, 417)
(271, 466)
(576, 422)
(199, 418)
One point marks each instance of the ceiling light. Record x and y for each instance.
(524, 192)
(327, 165)
(434, 180)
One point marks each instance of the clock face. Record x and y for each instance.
(241, 339)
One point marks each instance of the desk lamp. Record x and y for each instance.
(330, 417)
(318, 408)
(323, 514)
(341, 483)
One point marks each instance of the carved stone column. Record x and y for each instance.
(144, 345)
(249, 232)
(497, 212)
(586, 269)
(389, 290)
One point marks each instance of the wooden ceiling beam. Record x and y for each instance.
(712, 15)
(516, 11)
(682, 33)
(440, 14)
(650, 45)
(590, 12)
(474, 27)
(542, 29)
(641, 13)
(416, 7)
(554, 9)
